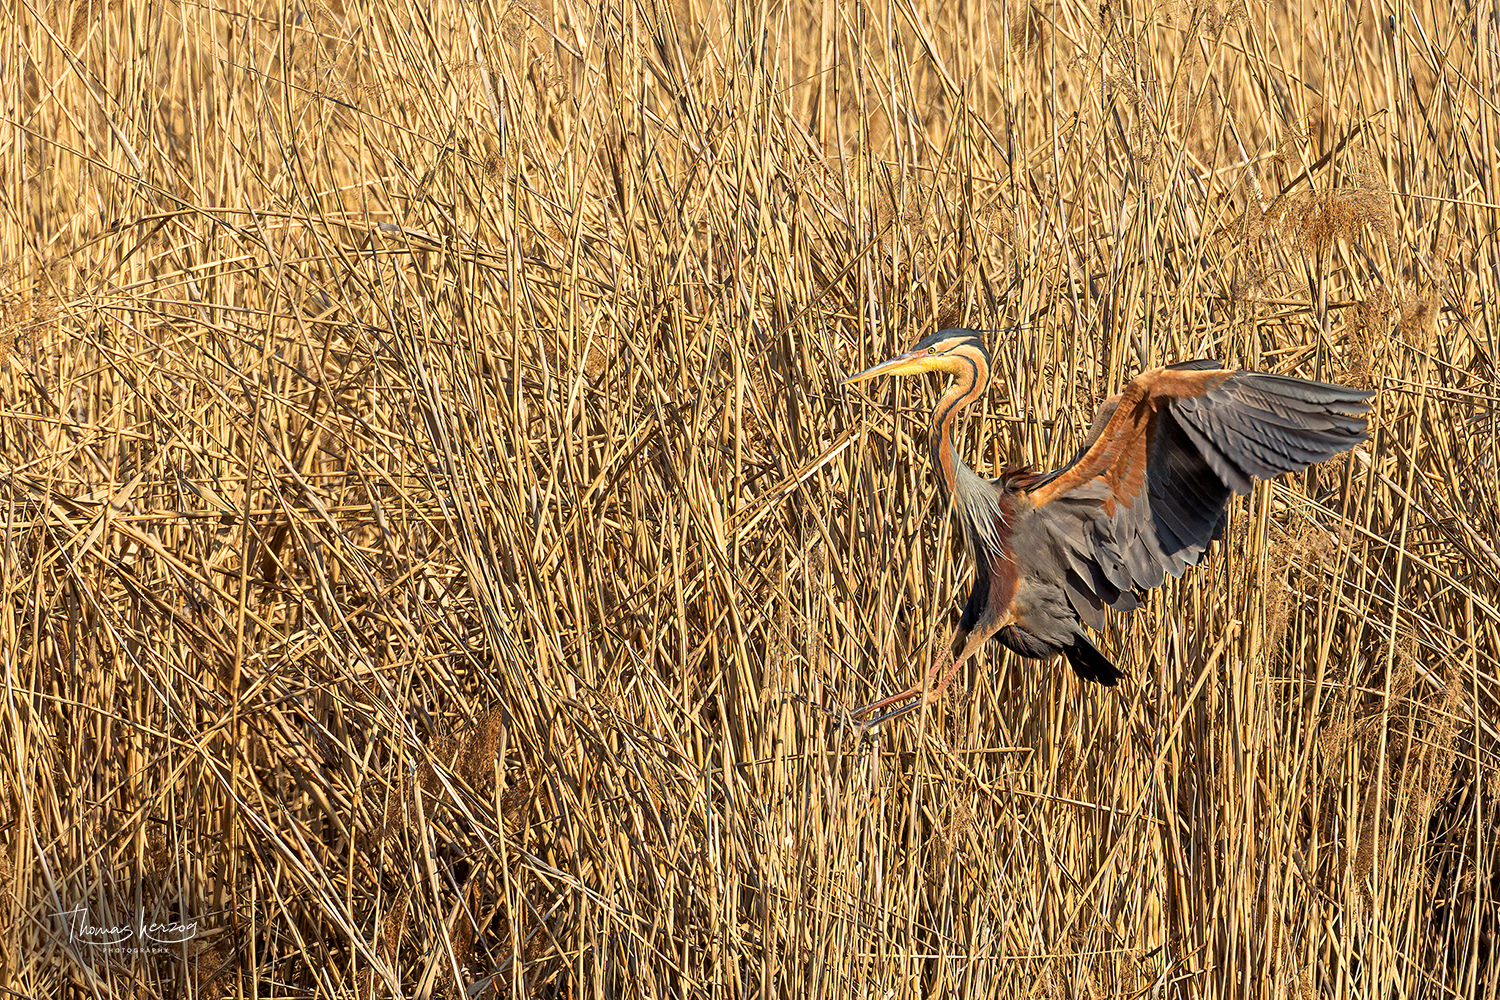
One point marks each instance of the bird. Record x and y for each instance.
(1140, 500)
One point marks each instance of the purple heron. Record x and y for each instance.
(1142, 498)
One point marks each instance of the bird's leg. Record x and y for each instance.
(910, 692)
(954, 659)
(876, 706)
(937, 692)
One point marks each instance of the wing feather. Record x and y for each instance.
(1146, 492)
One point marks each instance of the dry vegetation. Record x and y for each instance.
(430, 512)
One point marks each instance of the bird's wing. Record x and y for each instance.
(1146, 492)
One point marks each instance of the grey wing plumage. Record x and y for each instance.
(1147, 492)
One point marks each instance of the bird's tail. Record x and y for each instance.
(1089, 663)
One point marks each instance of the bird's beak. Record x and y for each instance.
(902, 364)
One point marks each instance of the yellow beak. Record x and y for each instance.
(911, 363)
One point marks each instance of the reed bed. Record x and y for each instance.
(433, 527)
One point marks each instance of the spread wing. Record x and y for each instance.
(1146, 492)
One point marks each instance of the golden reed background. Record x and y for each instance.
(429, 508)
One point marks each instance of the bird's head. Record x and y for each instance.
(956, 352)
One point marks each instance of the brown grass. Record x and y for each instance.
(430, 511)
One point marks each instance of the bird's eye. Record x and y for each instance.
(932, 350)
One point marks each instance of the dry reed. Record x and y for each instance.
(431, 515)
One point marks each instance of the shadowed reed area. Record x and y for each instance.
(430, 512)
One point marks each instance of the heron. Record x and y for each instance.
(1141, 498)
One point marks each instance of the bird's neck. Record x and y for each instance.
(967, 387)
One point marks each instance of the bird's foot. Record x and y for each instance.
(849, 720)
(870, 727)
(844, 718)
(880, 720)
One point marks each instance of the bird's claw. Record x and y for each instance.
(867, 729)
(848, 719)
